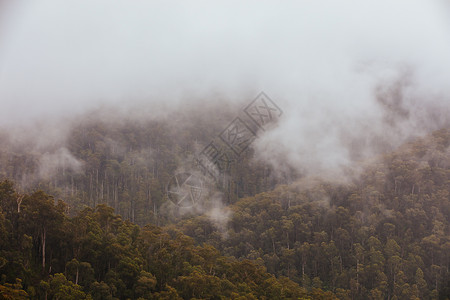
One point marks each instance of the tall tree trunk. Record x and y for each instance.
(44, 237)
(96, 187)
(90, 189)
(19, 202)
(357, 276)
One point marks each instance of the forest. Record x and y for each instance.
(89, 218)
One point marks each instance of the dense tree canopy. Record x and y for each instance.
(383, 234)
(97, 255)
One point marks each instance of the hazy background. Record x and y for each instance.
(353, 77)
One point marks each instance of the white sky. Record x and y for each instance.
(58, 56)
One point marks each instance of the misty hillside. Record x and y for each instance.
(381, 233)
(225, 150)
(124, 163)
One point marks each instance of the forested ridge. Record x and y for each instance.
(126, 164)
(386, 235)
(382, 234)
(97, 255)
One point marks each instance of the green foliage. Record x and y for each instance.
(384, 235)
(60, 288)
(97, 255)
(13, 291)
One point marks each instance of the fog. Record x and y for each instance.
(353, 78)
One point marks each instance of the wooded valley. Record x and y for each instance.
(98, 228)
